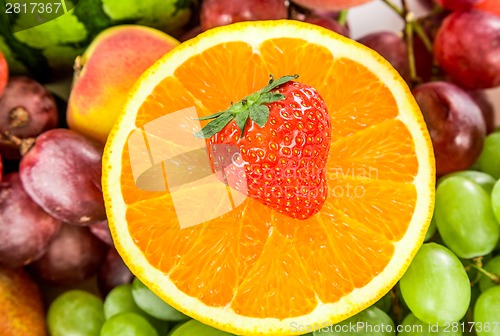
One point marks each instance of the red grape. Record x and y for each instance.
(113, 272)
(486, 109)
(324, 12)
(74, 255)
(26, 110)
(328, 23)
(215, 13)
(467, 48)
(458, 5)
(62, 173)
(392, 47)
(25, 229)
(455, 124)
(101, 231)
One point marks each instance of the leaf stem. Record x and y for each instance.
(417, 27)
(342, 19)
(409, 20)
(394, 8)
(478, 264)
(423, 36)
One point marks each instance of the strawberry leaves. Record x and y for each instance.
(251, 107)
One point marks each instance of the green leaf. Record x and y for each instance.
(91, 13)
(278, 82)
(214, 126)
(253, 106)
(30, 57)
(270, 97)
(211, 116)
(241, 120)
(259, 114)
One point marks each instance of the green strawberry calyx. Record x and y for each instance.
(253, 106)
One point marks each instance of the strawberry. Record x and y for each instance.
(273, 146)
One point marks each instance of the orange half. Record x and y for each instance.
(251, 270)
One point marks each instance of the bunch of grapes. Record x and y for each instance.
(128, 309)
(52, 216)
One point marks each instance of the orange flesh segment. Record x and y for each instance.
(351, 110)
(199, 76)
(219, 262)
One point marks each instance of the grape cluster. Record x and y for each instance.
(128, 310)
(52, 216)
(452, 286)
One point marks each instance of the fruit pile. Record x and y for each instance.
(61, 266)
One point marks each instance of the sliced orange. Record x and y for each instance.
(252, 270)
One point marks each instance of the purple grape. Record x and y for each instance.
(193, 32)
(328, 23)
(427, 4)
(424, 58)
(113, 272)
(486, 109)
(25, 229)
(74, 255)
(392, 47)
(62, 173)
(455, 124)
(467, 47)
(458, 5)
(101, 231)
(26, 110)
(215, 13)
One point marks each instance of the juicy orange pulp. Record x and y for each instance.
(296, 264)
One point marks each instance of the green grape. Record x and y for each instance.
(75, 313)
(436, 287)
(493, 267)
(128, 324)
(120, 300)
(153, 305)
(487, 313)
(412, 326)
(495, 200)
(193, 327)
(385, 303)
(369, 322)
(464, 217)
(484, 180)
(489, 160)
(469, 316)
(431, 230)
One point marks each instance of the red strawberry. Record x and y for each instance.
(273, 146)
